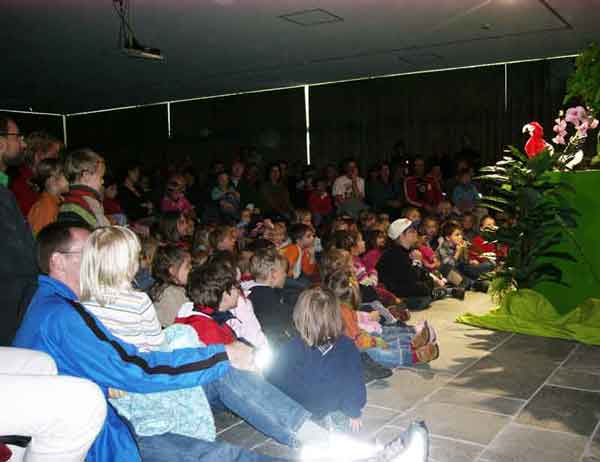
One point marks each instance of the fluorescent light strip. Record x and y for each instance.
(169, 120)
(14, 111)
(307, 112)
(64, 124)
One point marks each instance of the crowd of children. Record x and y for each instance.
(327, 294)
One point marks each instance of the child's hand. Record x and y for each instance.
(113, 393)
(474, 262)
(241, 356)
(355, 425)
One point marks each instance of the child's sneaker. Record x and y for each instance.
(428, 353)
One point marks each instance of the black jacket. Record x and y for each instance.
(398, 275)
(273, 313)
(18, 266)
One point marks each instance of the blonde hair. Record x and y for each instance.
(345, 286)
(264, 261)
(317, 317)
(81, 161)
(109, 262)
(335, 260)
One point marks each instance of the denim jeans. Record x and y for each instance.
(259, 403)
(172, 447)
(475, 271)
(418, 303)
(399, 352)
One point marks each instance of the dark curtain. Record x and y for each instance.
(121, 136)
(28, 123)
(272, 123)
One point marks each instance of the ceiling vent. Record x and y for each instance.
(313, 17)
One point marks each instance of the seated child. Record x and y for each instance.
(320, 203)
(396, 346)
(227, 198)
(175, 228)
(223, 239)
(108, 263)
(376, 242)
(468, 226)
(446, 211)
(112, 207)
(174, 199)
(214, 292)
(414, 215)
(454, 255)
(84, 170)
(431, 229)
(300, 254)
(321, 368)
(171, 266)
(483, 251)
(50, 179)
(143, 279)
(269, 269)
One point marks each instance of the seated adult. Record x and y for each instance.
(420, 190)
(40, 146)
(349, 191)
(131, 196)
(275, 196)
(383, 193)
(81, 346)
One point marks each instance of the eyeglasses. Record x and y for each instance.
(18, 135)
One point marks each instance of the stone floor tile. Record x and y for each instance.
(586, 357)
(563, 409)
(441, 449)
(455, 422)
(592, 450)
(477, 401)
(577, 378)
(274, 449)
(540, 348)
(243, 435)
(374, 418)
(518, 443)
(403, 389)
(508, 374)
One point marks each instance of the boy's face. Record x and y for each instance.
(229, 299)
(431, 229)
(444, 208)
(413, 215)
(96, 179)
(467, 223)
(307, 220)
(456, 237)
(307, 240)
(489, 224)
(278, 275)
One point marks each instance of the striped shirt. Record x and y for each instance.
(131, 317)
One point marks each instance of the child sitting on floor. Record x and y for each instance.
(171, 266)
(468, 226)
(269, 269)
(214, 292)
(321, 368)
(300, 254)
(108, 263)
(223, 238)
(376, 242)
(397, 346)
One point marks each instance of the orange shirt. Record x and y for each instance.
(292, 252)
(43, 212)
(350, 320)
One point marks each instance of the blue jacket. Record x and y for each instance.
(82, 347)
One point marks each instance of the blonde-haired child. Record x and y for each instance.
(321, 368)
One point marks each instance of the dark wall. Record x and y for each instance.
(28, 123)
(432, 114)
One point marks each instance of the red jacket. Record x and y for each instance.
(480, 246)
(318, 204)
(422, 191)
(21, 187)
(208, 329)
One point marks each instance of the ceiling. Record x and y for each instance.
(62, 55)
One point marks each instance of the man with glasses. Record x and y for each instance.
(18, 268)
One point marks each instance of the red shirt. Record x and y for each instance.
(480, 246)
(209, 331)
(320, 203)
(21, 187)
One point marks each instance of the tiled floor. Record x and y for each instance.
(490, 397)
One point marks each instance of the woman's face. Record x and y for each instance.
(274, 174)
